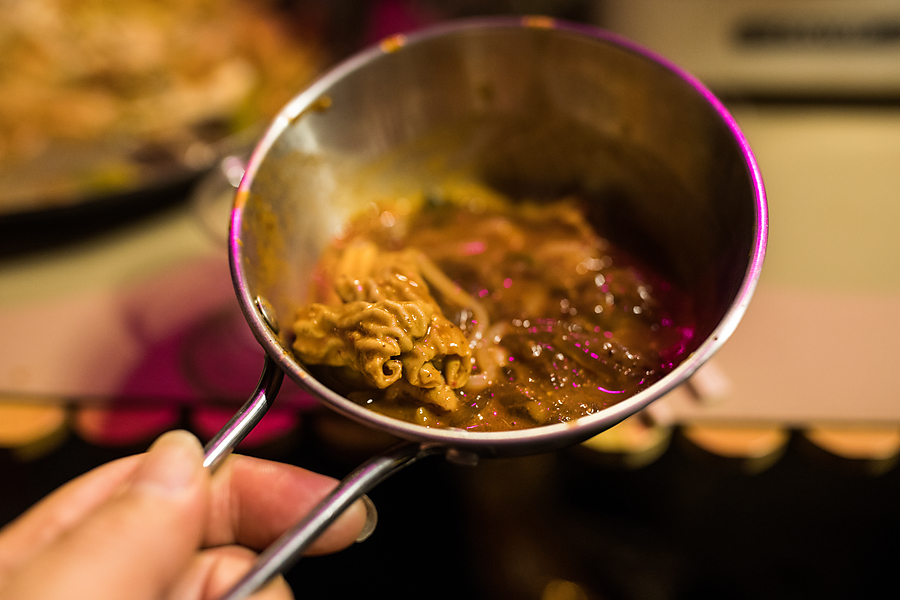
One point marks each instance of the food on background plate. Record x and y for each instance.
(97, 90)
(469, 309)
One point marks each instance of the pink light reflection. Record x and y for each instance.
(471, 248)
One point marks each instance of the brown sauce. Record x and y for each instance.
(473, 311)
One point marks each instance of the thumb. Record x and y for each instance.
(135, 544)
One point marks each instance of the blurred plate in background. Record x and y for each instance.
(99, 99)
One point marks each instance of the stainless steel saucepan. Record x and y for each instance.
(527, 104)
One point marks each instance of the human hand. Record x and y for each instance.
(159, 525)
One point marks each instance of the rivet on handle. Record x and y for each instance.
(267, 311)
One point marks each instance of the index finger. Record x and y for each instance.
(254, 501)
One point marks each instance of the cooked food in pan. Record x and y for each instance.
(468, 309)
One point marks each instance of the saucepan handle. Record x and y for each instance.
(246, 418)
(285, 551)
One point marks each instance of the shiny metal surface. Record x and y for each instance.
(287, 549)
(243, 422)
(524, 105)
(521, 104)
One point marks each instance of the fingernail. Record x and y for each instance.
(371, 520)
(171, 465)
